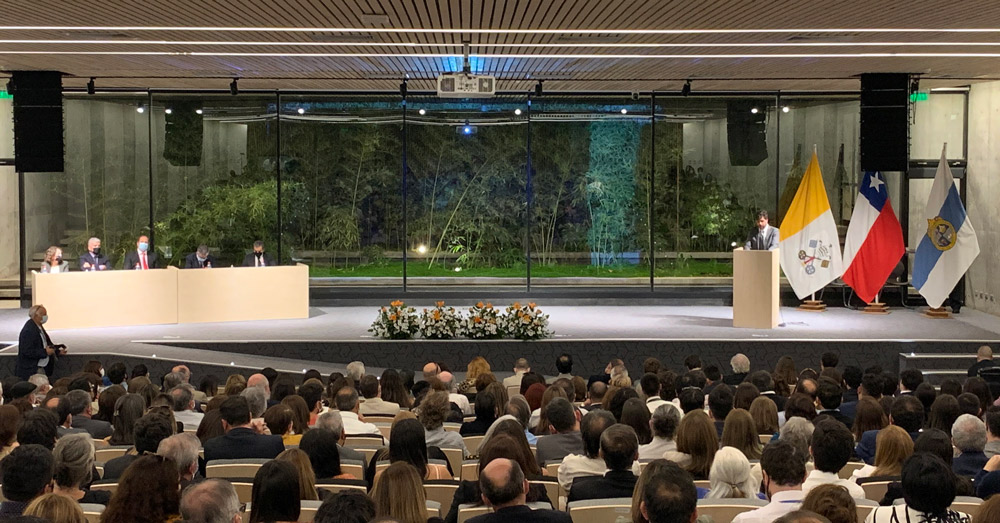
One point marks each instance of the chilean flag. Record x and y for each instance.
(874, 239)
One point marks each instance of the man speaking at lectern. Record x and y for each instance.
(763, 237)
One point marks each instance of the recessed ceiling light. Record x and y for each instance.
(785, 109)
(624, 110)
(301, 111)
(198, 111)
(754, 110)
(422, 112)
(517, 112)
(168, 110)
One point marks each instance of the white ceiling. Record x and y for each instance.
(572, 44)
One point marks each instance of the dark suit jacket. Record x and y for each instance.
(468, 492)
(778, 399)
(771, 237)
(30, 349)
(968, 464)
(849, 409)
(865, 450)
(614, 484)
(240, 443)
(839, 416)
(523, 514)
(87, 257)
(191, 261)
(719, 425)
(97, 428)
(980, 365)
(132, 259)
(114, 468)
(735, 378)
(248, 260)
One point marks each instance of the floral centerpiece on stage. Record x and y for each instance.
(395, 322)
(484, 322)
(526, 322)
(440, 323)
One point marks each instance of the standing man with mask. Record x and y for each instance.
(763, 237)
(92, 260)
(258, 258)
(199, 259)
(35, 351)
(141, 259)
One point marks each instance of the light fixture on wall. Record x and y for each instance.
(785, 109)
(422, 112)
(517, 112)
(234, 89)
(141, 109)
(686, 90)
(199, 111)
(168, 110)
(301, 111)
(754, 110)
(91, 89)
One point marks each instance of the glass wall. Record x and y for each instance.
(10, 266)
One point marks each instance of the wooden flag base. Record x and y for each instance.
(877, 308)
(812, 306)
(939, 313)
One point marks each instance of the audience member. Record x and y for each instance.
(486, 413)
(765, 384)
(869, 416)
(564, 436)
(765, 415)
(730, 476)
(833, 502)
(588, 462)
(907, 413)
(892, 446)
(347, 403)
(182, 449)
(691, 399)
(307, 476)
(521, 366)
(25, 474)
(407, 443)
(148, 487)
(564, 365)
(928, 490)
(595, 395)
(744, 396)
(968, 434)
(784, 470)
(275, 493)
(127, 411)
(184, 406)
(981, 389)
(331, 420)
(663, 425)
(636, 415)
(432, 414)
(518, 407)
(650, 386)
(279, 422)
(619, 449)
(211, 501)
(150, 430)
(324, 454)
(984, 360)
(785, 376)
(740, 432)
(740, 364)
(697, 443)
(73, 459)
(10, 420)
(720, 402)
(992, 419)
(798, 432)
(240, 440)
(373, 403)
(504, 489)
(944, 412)
(668, 495)
(968, 403)
(55, 509)
(396, 478)
(80, 407)
(211, 426)
(311, 393)
(393, 390)
(831, 449)
(347, 506)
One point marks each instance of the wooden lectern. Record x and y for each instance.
(755, 289)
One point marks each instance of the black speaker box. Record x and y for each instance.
(885, 121)
(746, 133)
(38, 120)
(183, 134)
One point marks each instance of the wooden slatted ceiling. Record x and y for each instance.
(564, 73)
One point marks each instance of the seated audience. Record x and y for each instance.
(784, 470)
(396, 478)
(663, 425)
(149, 431)
(148, 487)
(928, 490)
(184, 406)
(279, 422)
(25, 474)
(668, 496)
(433, 411)
(892, 446)
(211, 425)
(521, 366)
(73, 459)
(240, 440)
(347, 506)
(740, 432)
(869, 416)
(486, 414)
(54, 509)
(563, 433)
(595, 395)
(831, 450)
(373, 403)
(944, 411)
(588, 462)
(697, 443)
(307, 477)
(636, 415)
(407, 443)
(324, 454)
(984, 360)
(183, 450)
(691, 399)
(127, 411)
(650, 386)
(275, 493)
(619, 449)
(211, 501)
(518, 408)
(331, 420)
(907, 413)
(505, 489)
(347, 403)
(992, 419)
(765, 384)
(730, 477)
(300, 413)
(393, 389)
(744, 395)
(833, 502)
(720, 402)
(10, 420)
(829, 396)
(968, 434)
(80, 407)
(765, 415)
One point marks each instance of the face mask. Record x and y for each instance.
(97, 251)
(58, 259)
(201, 260)
(143, 246)
(45, 318)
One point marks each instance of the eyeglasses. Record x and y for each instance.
(243, 508)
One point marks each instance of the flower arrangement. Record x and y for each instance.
(526, 322)
(395, 322)
(440, 323)
(483, 322)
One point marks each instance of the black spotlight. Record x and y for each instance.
(402, 88)
(538, 88)
(91, 89)
(686, 90)
(233, 88)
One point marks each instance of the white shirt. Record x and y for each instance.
(189, 418)
(463, 403)
(781, 503)
(863, 472)
(657, 448)
(577, 465)
(515, 380)
(655, 401)
(902, 512)
(377, 405)
(354, 426)
(818, 477)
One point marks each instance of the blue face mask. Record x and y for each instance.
(143, 246)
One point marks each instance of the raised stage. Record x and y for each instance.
(333, 336)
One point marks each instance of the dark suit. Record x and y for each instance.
(191, 261)
(523, 514)
(779, 400)
(94, 261)
(250, 261)
(968, 464)
(468, 492)
(30, 349)
(839, 416)
(114, 468)
(97, 428)
(849, 409)
(766, 240)
(241, 443)
(980, 365)
(735, 378)
(865, 450)
(614, 484)
(132, 259)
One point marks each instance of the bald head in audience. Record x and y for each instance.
(502, 484)
(259, 381)
(431, 370)
(211, 501)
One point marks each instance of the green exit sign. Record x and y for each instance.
(919, 96)
(4, 94)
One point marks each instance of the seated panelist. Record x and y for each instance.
(200, 259)
(53, 261)
(93, 260)
(141, 258)
(258, 258)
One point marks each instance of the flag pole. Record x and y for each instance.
(811, 305)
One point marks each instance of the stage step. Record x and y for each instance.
(938, 367)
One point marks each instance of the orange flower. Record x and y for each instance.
(480, 305)
(440, 303)
(489, 305)
(477, 319)
(383, 308)
(531, 306)
(392, 317)
(517, 305)
(396, 303)
(437, 314)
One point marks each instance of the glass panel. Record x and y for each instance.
(466, 189)
(341, 190)
(9, 225)
(215, 175)
(104, 190)
(591, 168)
(937, 120)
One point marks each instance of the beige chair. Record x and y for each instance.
(864, 507)
(967, 504)
(875, 490)
(100, 469)
(307, 510)
(847, 470)
(453, 427)
(470, 470)
(434, 509)
(727, 509)
(384, 429)
(513, 390)
(552, 488)
(107, 454)
(553, 468)
(455, 459)
(353, 467)
(600, 510)
(441, 490)
(244, 490)
(534, 450)
(472, 443)
(765, 438)
(341, 485)
(92, 512)
(233, 468)
(703, 483)
(364, 442)
(101, 444)
(110, 487)
(467, 511)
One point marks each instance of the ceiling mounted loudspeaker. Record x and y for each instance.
(466, 85)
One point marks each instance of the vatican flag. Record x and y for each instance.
(810, 246)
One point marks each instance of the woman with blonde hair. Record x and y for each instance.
(697, 443)
(477, 367)
(892, 446)
(730, 476)
(56, 509)
(307, 478)
(765, 415)
(395, 479)
(53, 261)
(740, 432)
(235, 384)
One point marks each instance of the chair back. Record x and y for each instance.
(307, 510)
(470, 470)
(455, 459)
(434, 509)
(967, 504)
(847, 470)
(600, 510)
(352, 467)
(553, 467)
(865, 506)
(472, 443)
(364, 441)
(92, 512)
(452, 427)
(107, 454)
(727, 509)
(765, 438)
(110, 487)
(875, 490)
(552, 489)
(702, 483)
(513, 390)
(339, 485)
(467, 511)
(244, 490)
(233, 468)
(441, 490)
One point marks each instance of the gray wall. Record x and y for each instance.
(984, 187)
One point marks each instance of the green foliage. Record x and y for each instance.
(611, 188)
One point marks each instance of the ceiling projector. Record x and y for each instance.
(466, 85)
